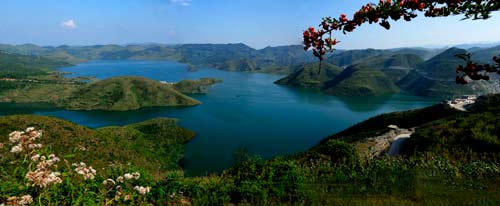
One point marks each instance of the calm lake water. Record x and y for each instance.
(246, 110)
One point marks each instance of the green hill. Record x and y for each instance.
(125, 93)
(360, 80)
(21, 66)
(392, 61)
(309, 75)
(197, 86)
(395, 66)
(154, 145)
(436, 77)
(485, 55)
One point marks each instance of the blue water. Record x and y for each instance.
(246, 110)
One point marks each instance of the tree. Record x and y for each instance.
(386, 10)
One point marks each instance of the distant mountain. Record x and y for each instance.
(309, 75)
(375, 72)
(360, 80)
(349, 57)
(436, 77)
(485, 55)
(232, 57)
(19, 66)
(125, 93)
(395, 66)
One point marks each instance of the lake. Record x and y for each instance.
(245, 111)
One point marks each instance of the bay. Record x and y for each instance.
(246, 111)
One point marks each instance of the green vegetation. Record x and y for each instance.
(359, 80)
(22, 66)
(125, 93)
(32, 79)
(309, 75)
(198, 86)
(376, 72)
(433, 78)
(448, 161)
(154, 146)
(113, 94)
(451, 159)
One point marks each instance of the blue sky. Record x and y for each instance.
(258, 23)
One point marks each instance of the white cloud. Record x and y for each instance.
(181, 2)
(70, 24)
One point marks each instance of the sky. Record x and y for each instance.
(257, 23)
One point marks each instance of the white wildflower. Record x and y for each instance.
(19, 201)
(88, 173)
(15, 136)
(127, 197)
(16, 149)
(119, 179)
(35, 158)
(142, 190)
(108, 181)
(34, 146)
(136, 175)
(25, 140)
(128, 176)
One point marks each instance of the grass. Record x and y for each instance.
(114, 94)
(330, 174)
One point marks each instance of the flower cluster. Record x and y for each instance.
(25, 141)
(88, 173)
(19, 201)
(395, 10)
(142, 190)
(43, 176)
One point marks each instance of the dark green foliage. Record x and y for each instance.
(436, 77)
(197, 86)
(476, 133)
(405, 119)
(310, 75)
(22, 66)
(266, 182)
(125, 93)
(154, 145)
(486, 55)
(338, 152)
(359, 80)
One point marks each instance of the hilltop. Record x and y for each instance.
(125, 93)
(360, 80)
(435, 77)
(195, 86)
(374, 72)
(310, 76)
(154, 145)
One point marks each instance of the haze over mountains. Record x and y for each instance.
(420, 71)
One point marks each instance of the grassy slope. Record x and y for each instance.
(154, 145)
(436, 77)
(21, 66)
(359, 80)
(309, 76)
(125, 93)
(195, 86)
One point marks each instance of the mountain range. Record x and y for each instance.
(420, 71)
(416, 71)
